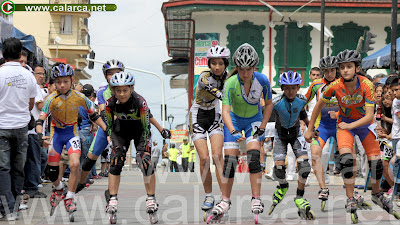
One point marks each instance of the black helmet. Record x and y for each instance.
(87, 90)
(328, 62)
(348, 56)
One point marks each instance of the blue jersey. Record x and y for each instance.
(288, 114)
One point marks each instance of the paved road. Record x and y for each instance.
(181, 194)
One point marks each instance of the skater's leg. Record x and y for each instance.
(202, 150)
(74, 167)
(229, 169)
(348, 169)
(87, 166)
(150, 184)
(253, 161)
(304, 168)
(316, 151)
(217, 142)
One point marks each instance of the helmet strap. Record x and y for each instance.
(352, 79)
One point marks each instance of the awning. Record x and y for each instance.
(176, 66)
(381, 58)
(28, 41)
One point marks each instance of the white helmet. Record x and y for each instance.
(218, 52)
(122, 79)
(113, 64)
(245, 56)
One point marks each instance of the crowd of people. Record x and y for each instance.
(45, 128)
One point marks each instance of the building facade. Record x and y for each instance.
(63, 36)
(237, 22)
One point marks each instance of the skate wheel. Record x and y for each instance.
(354, 218)
(367, 206)
(113, 218)
(71, 217)
(256, 219)
(153, 218)
(209, 218)
(301, 215)
(53, 208)
(310, 215)
(323, 203)
(205, 216)
(271, 209)
(396, 215)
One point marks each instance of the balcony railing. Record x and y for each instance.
(69, 1)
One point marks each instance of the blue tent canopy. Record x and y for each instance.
(381, 58)
(28, 41)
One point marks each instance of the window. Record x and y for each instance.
(66, 25)
(346, 37)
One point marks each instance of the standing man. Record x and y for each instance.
(192, 158)
(172, 155)
(17, 98)
(185, 149)
(165, 160)
(33, 160)
(155, 155)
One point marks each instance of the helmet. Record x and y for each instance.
(328, 62)
(290, 78)
(113, 64)
(87, 90)
(62, 70)
(218, 52)
(348, 56)
(122, 79)
(245, 56)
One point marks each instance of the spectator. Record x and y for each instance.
(172, 155)
(165, 160)
(23, 60)
(34, 152)
(17, 98)
(184, 150)
(378, 77)
(192, 158)
(155, 154)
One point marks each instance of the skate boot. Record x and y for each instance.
(351, 207)
(70, 206)
(151, 209)
(79, 187)
(56, 197)
(385, 203)
(361, 203)
(207, 206)
(219, 212)
(279, 194)
(323, 196)
(304, 207)
(112, 208)
(257, 207)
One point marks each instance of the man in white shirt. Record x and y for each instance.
(33, 161)
(17, 98)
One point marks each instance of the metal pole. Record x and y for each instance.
(285, 46)
(393, 61)
(151, 73)
(322, 36)
(57, 51)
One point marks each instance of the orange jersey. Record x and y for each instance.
(351, 106)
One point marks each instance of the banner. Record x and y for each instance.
(204, 41)
(178, 135)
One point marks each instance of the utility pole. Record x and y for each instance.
(393, 61)
(322, 41)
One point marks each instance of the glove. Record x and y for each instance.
(166, 134)
(145, 160)
(236, 135)
(259, 134)
(40, 139)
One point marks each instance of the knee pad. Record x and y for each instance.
(53, 173)
(376, 168)
(88, 164)
(303, 168)
(144, 161)
(279, 172)
(347, 164)
(253, 160)
(119, 155)
(230, 164)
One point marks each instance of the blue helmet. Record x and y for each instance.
(122, 79)
(290, 78)
(62, 70)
